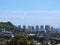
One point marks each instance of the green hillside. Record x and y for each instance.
(8, 26)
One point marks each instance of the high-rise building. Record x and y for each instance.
(29, 27)
(37, 27)
(24, 27)
(52, 28)
(19, 26)
(47, 28)
(32, 27)
(41, 27)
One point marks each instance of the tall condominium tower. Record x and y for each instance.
(41, 27)
(47, 28)
(52, 28)
(29, 27)
(37, 27)
(32, 27)
(24, 27)
(19, 26)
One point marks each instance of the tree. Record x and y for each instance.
(19, 40)
(7, 43)
(1, 43)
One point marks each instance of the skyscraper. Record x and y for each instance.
(41, 27)
(47, 28)
(37, 27)
(32, 27)
(24, 28)
(29, 27)
(19, 26)
(52, 28)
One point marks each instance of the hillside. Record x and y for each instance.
(8, 26)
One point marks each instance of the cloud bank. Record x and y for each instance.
(31, 17)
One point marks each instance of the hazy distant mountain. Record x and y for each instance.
(8, 26)
(57, 29)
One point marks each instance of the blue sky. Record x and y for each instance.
(30, 12)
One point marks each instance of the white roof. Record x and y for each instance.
(38, 43)
(31, 34)
(58, 44)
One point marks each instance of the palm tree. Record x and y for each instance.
(19, 40)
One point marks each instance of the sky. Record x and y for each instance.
(30, 12)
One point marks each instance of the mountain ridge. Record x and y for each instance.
(8, 26)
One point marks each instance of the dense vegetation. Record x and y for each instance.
(8, 26)
(19, 40)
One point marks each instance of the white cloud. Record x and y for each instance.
(30, 11)
(31, 17)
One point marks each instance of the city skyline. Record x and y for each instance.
(30, 12)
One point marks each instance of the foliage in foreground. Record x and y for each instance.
(19, 40)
